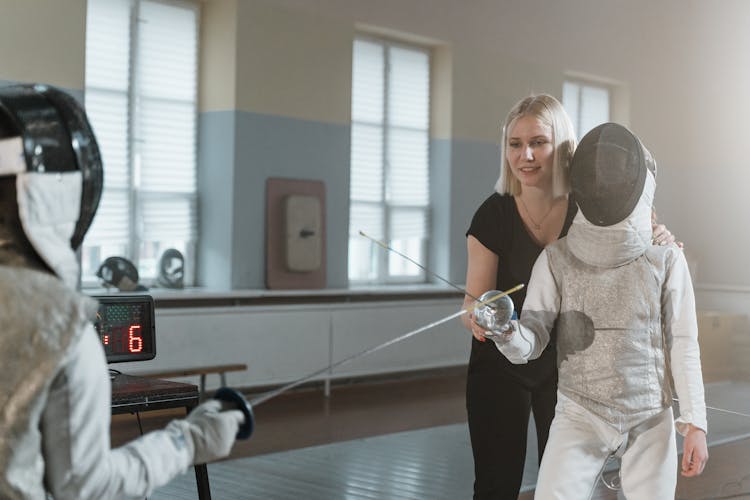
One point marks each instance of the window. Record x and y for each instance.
(389, 189)
(141, 99)
(587, 104)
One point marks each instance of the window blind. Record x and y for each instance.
(141, 98)
(389, 179)
(107, 106)
(587, 105)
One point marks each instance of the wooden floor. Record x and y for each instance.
(305, 418)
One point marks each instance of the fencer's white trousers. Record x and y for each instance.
(580, 443)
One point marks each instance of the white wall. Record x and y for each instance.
(283, 343)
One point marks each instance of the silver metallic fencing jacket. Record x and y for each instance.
(625, 316)
(56, 402)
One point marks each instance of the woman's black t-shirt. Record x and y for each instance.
(498, 226)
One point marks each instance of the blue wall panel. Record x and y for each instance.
(239, 151)
(475, 168)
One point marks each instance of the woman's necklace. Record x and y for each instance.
(537, 225)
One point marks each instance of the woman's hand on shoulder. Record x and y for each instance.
(661, 235)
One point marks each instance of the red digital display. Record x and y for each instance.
(125, 328)
(123, 339)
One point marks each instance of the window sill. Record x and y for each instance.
(204, 297)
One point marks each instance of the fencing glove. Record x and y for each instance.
(210, 432)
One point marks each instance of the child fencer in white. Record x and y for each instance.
(624, 315)
(56, 391)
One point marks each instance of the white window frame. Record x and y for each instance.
(133, 192)
(383, 261)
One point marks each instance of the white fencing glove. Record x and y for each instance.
(154, 459)
(210, 432)
(502, 334)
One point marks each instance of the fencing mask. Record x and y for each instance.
(50, 161)
(608, 172)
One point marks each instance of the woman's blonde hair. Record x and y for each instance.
(551, 113)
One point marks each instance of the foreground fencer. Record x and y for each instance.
(55, 399)
(626, 324)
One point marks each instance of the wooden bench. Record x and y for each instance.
(196, 370)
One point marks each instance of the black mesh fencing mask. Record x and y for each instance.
(56, 137)
(608, 172)
(49, 152)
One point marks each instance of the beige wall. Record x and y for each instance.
(293, 64)
(487, 83)
(218, 55)
(43, 41)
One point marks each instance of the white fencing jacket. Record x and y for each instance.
(624, 312)
(56, 403)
